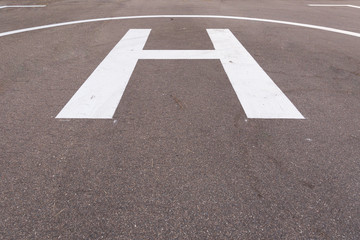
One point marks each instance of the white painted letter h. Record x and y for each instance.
(101, 93)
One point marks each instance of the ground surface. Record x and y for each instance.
(180, 159)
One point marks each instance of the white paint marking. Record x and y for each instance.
(353, 6)
(258, 94)
(100, 95)
(328, 29)
(333, 5)
(23, 6)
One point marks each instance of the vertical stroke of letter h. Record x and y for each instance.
(101, 93)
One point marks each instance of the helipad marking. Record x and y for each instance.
(101, 93)
(328, 29)
(23, 6)
(333, 5)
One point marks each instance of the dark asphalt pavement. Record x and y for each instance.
(180, 159)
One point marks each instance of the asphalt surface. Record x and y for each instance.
(180, 159)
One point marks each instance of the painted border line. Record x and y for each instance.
(333, 5)
(22, 6)
(328, 29)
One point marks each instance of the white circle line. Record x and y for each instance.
(354, 34)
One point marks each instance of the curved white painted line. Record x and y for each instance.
(354, 34)
(333, 5)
